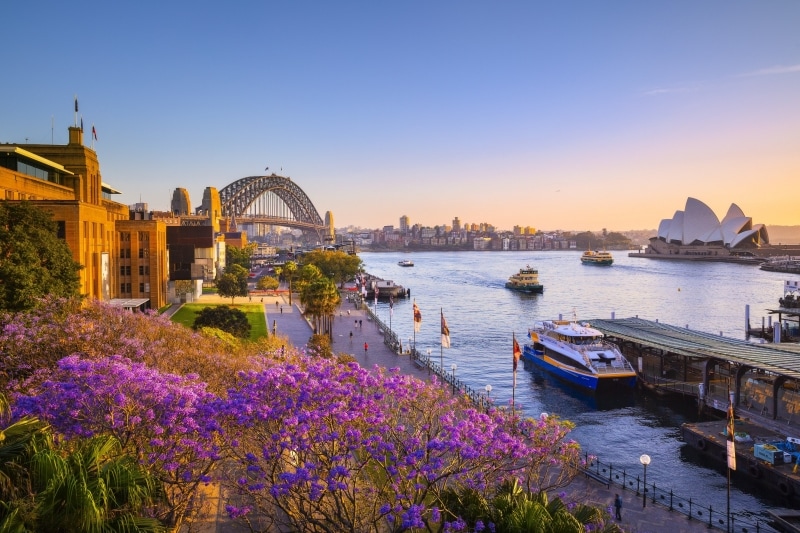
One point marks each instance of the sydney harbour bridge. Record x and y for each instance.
(273, 200)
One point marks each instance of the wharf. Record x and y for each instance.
(779, 478)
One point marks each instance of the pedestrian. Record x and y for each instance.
(262, 300)
(355, 323)
(359, 323)
(618, 507)
(249, 298)
(366, 347)
(281, 309)
(348, 312)
(351, 335)
(276, 303)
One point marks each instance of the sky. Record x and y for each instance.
(571, 115)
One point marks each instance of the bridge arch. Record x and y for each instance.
(253, 199)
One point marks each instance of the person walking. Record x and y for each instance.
(366, 347)
(618, 507)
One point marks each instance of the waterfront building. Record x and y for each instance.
(696, 230)
(65, 180)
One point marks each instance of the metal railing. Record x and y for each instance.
(716, 518)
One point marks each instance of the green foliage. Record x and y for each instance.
(590, 241)
(337, 265)
(225, 318)
(320, 346)
(321, 298)
(240, 256)
(515, 510)
(267, 283)
(34, 262)
(233, 282)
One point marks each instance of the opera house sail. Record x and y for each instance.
(696, 233)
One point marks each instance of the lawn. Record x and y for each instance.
(255, 315)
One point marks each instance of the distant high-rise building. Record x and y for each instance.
(456, 224)
(404, 224)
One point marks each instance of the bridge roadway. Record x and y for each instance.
(291, 324)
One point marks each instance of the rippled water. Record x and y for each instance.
(468, 287)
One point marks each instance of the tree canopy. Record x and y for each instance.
(34, 261)
(225, 318)
(337, 265)
(233, 282)
(240, 256)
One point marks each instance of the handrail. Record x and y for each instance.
(739, 522)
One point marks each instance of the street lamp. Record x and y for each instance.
(645, 460)
(453, 368)
(488, 391)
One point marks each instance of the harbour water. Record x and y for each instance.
(468, 287)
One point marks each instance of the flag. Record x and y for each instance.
(445, 333)
(94, 132)
(417, 317)
(731, 437)
(517, 352)
(81, 124)
(76, 104)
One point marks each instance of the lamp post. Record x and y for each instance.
(645, 460)
(488, 391)
(453, 368)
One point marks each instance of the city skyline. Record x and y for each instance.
(570, 115)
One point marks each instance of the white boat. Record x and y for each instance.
(526, 280)
(592, 257)
(578, 354)
(406, 263)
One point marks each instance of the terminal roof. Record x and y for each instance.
(781, 358)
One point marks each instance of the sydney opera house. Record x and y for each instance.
(696, 231)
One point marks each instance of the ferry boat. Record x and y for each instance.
(786, 264)
(526, 280)
(406, 263)
(578, 354)
(592, 257)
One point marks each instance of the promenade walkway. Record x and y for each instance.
(291, 324)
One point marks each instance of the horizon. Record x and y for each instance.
(519, 114)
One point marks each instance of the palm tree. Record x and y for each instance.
(320, 298)
(94, 488)
(289, 270)
(15, 486)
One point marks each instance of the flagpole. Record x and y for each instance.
(517, 353)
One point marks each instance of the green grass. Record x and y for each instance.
(255, 315)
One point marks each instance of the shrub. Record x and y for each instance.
(225, 318)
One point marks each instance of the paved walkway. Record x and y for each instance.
(290, 323)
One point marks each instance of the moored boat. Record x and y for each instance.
(526, 280)
(406, 263)
(593, 257)
(578, 354)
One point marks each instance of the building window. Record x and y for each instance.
(144, 270)
(141, 287)
(61, 229)
(128, 288)
(121, 270)
(122, 288)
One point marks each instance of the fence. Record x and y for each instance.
(596, 469)
(716, 518)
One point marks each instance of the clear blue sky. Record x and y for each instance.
(557, 115)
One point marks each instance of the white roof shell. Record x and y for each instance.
(697, 224)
